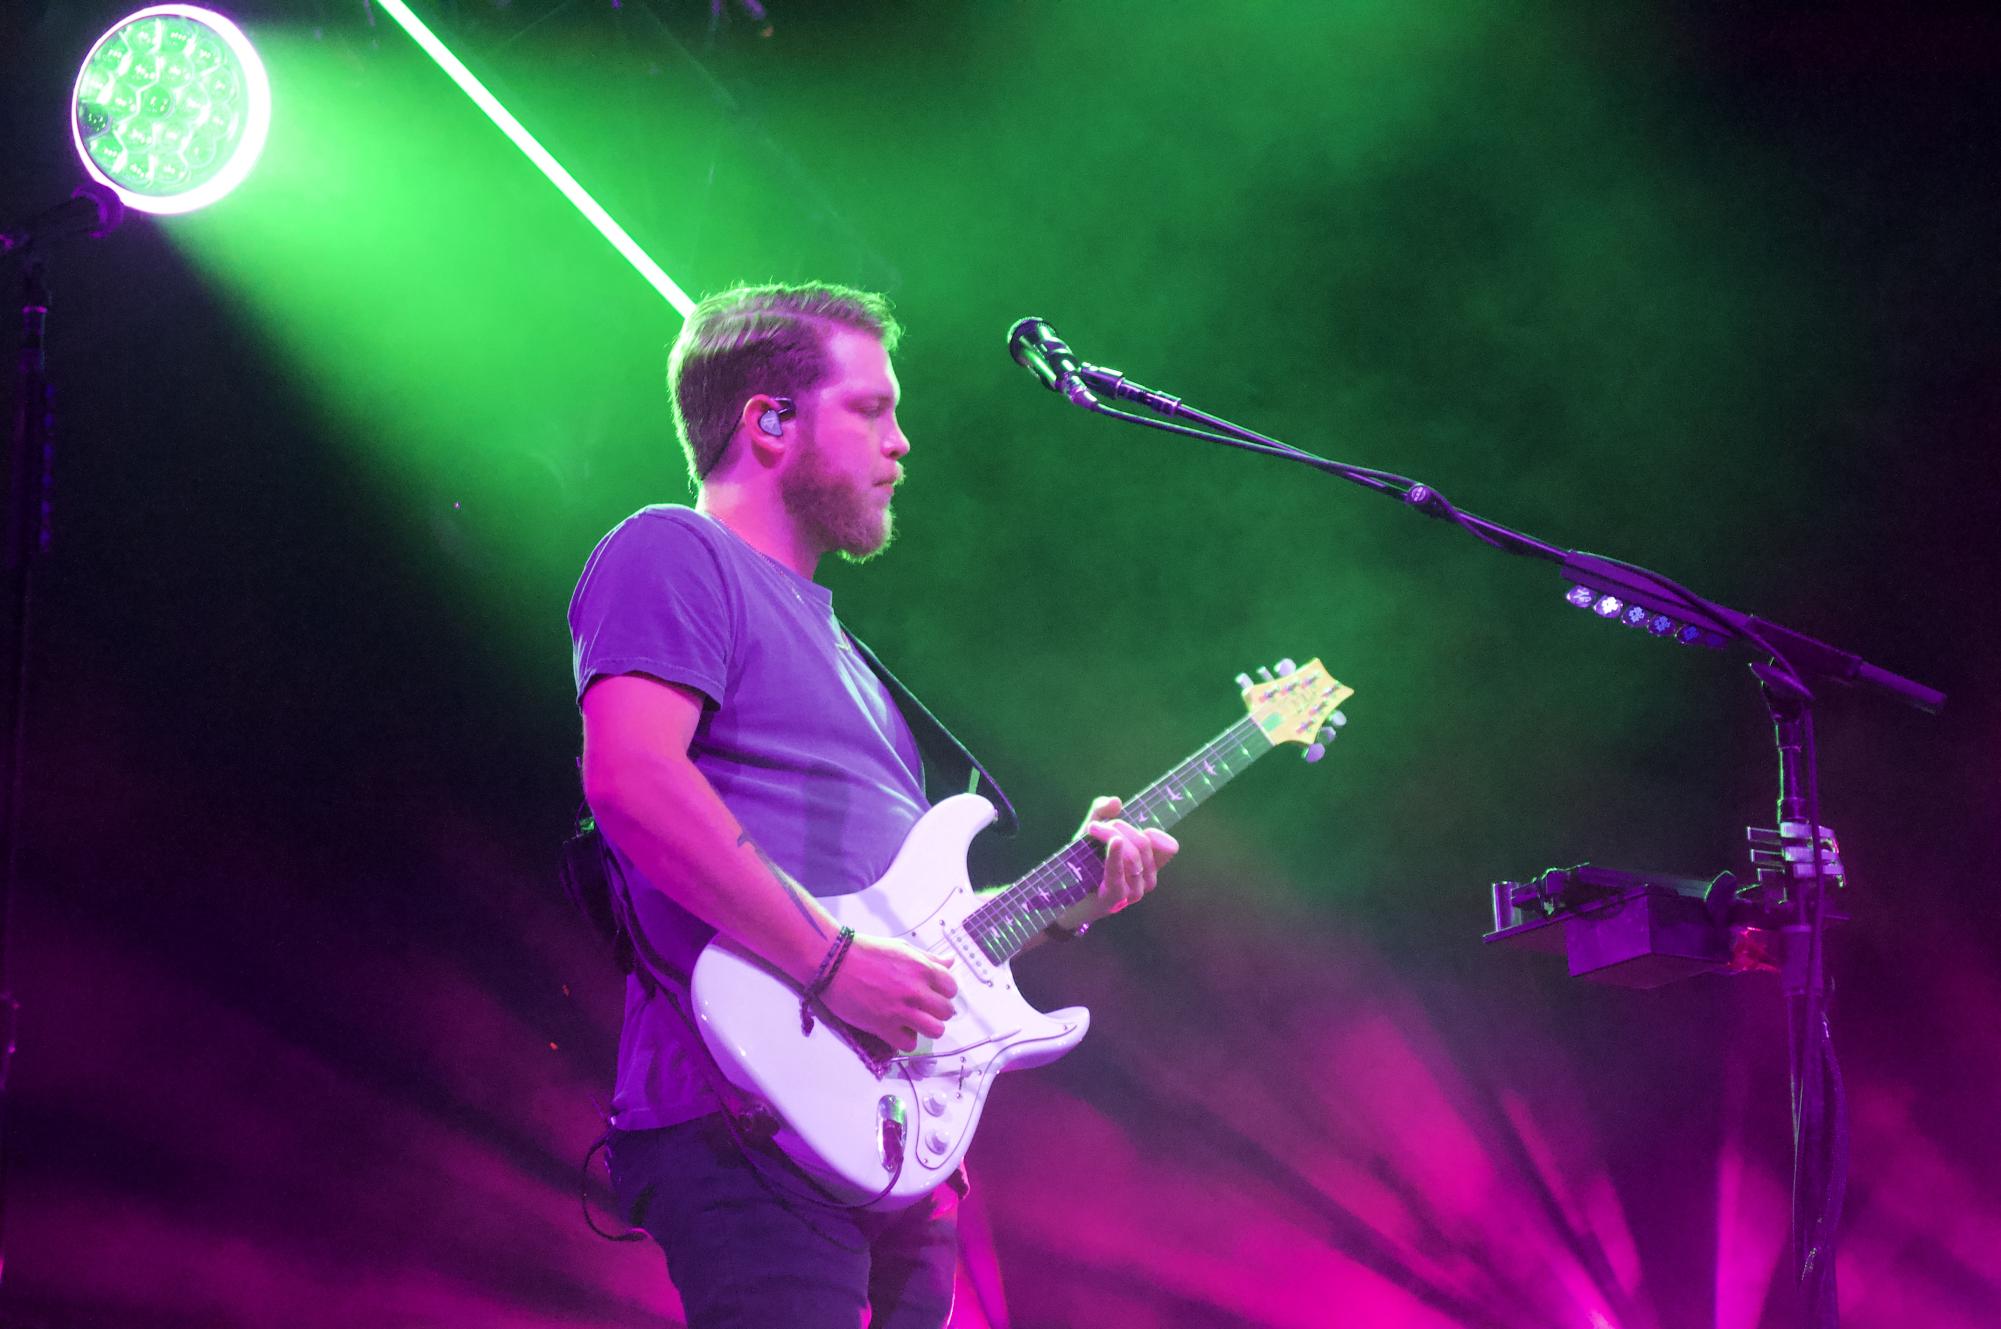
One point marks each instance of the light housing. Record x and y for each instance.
(171, 108)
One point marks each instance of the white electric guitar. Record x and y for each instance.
(881, 1128)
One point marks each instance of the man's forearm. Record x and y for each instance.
(669, 820)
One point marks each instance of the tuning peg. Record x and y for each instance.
(1264, 674)
(1329, 734)
(1338, 719)
(1244, 682)
(1285, 667)
(1314, 752)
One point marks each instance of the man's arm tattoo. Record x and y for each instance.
(793, 889)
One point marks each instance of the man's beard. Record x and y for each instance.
(842, 518)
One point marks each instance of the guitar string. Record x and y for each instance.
(1056, 865)
(1008, 917)
(1008, 913)
(1176, 787)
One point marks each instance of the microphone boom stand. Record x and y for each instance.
(1820, 1130)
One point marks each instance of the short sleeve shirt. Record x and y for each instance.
(797, 735)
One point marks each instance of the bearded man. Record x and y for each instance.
(745, 758)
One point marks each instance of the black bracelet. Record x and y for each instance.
(829, 965)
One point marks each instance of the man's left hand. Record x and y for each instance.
(1133, 860)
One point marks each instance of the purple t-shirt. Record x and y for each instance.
(797, 735)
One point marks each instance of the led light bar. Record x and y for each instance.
(579, 197)
(1608, 606)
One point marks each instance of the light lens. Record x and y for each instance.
(1581, 596)
(171, 108)
(1608, 606)
(1635, 616)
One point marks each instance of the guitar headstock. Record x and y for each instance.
(1296, 704)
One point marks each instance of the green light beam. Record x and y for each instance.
(535, 152)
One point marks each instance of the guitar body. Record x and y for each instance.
(879, 1128)
(873, 1125)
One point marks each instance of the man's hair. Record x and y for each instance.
(751, 339)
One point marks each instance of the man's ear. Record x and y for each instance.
(763, 423)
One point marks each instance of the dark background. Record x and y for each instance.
(307, 1035)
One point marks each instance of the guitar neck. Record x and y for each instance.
(1006, 922)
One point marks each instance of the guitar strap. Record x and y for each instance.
(951, 760)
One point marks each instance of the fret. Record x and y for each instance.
(1004, 925)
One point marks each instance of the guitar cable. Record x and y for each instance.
(603, 1142)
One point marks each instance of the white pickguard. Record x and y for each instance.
(832, 1104)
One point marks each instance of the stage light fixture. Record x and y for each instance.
(171, 108)
(579, 197)
(1636, 615)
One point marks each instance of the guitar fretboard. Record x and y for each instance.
(1007, 921)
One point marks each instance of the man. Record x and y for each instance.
(742, 759)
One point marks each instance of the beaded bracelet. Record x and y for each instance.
(829, 965)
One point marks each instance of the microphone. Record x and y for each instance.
(1036, 348)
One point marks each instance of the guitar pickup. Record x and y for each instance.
(969, 951)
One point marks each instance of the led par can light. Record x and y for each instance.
(171, 108)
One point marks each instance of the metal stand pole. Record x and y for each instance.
(94, 210)
(1820, 1143)
(23, 537)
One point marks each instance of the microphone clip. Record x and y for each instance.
(1114, 384)
(1036, 348)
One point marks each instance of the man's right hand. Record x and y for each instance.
(892, 990)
